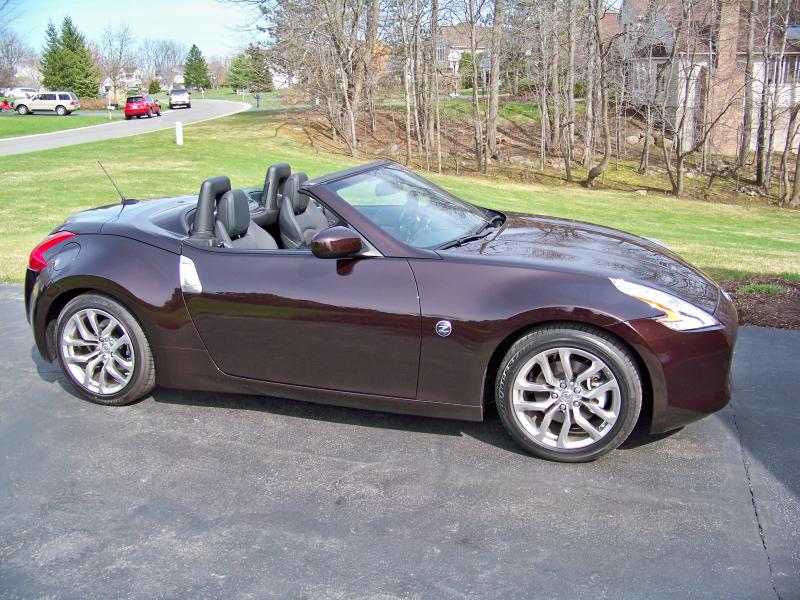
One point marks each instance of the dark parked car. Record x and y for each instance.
(374, 288)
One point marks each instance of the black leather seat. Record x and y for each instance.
(233, 226)
(299, 220)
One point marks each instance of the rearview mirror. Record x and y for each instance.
(336, 242)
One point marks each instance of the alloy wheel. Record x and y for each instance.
(565, 398)
(97, 352)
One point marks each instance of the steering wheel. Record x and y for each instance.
(409, 217)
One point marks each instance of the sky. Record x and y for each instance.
(214, 26)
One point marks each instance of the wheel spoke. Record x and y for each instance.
(73, 343)
(82, 358)
(544, 428)
(84, 332)
(125, 364)
(593, 369)
(112, 370)
(606, 415)
(584, 424)
(112, 324)
(530, 386)
(93, 323)
(120, 342)
(600, 390)
(89, 371)
(544, 364)
(563, 436)
(527, 406)
(566, 356)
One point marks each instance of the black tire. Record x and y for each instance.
(588, 339)
(127, 117)
(22, 109)
(149, 114)
(143, 379)
(188, 106)
(61, 111)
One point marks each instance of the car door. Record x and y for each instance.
(290, 317)
(45, 101)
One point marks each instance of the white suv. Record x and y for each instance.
(21, 93)
(62, 103)
(180, 97)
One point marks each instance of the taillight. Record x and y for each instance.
(37, 261)
(72, 103)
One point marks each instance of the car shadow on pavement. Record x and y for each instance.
(490, 431)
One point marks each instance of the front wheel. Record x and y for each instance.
(568, 393)
(104, 351)
(22, 109)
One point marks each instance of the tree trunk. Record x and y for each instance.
(600, 168)
(588, 96)
(795, 200)
(747, 118)
(476, 111)
(433, 93)
(787, 150)
(571, 35)
(494, 76)
(763, 121)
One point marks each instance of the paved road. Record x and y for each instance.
(189, 495)
(201, 110)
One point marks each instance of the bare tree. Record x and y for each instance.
(13, 51)
(494, 78)
(116, 54)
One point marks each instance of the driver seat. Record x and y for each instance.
(299, 220)
(233, 226)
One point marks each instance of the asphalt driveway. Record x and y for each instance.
(202, 110)
(188, 495)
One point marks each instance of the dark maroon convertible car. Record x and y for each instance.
(374, 288)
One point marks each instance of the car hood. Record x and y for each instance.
(550, 243)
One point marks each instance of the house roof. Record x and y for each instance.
(458, 35)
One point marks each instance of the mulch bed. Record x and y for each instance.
(781, 310)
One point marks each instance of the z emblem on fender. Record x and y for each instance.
(444, 328)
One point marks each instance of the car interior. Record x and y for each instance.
(277, 216)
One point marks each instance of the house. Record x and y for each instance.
(646, 41)
(454, 40)
(128, 78)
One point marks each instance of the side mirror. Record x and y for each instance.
(336, 242)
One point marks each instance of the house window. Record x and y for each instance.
(790, 69)
(440, 54)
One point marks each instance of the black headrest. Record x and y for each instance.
(291, 190)
(233, 212)
(276, 175)
(210, 190)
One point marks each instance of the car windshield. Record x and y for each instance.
(409, 208)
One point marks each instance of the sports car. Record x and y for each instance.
(374, 288)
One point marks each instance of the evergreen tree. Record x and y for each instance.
(195, 70)
(66, 63)
(240, 72)
(261, 76)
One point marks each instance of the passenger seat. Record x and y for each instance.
(235, 229)
(299, 219)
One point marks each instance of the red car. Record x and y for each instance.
(141, 106)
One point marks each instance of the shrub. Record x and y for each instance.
(769, 289)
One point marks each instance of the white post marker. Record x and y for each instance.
(179, 133)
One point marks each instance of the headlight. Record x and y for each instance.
(678, 314)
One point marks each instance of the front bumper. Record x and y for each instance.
(689, 372)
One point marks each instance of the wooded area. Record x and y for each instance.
(711, 83)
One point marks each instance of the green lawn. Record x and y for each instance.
(13, 125)
(40, 189)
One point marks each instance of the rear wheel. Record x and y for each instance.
(22, 109)
(61, 111)
(149, 114)
(103, 351)
(568, 393)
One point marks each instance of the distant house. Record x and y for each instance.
(128, 78)
(454, 40)
(647, 40)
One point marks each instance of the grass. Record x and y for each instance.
(13, 125)
(769, 289)
(40, 189)
(511, 111)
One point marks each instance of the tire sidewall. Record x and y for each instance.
(618, 361)
(141, 352)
